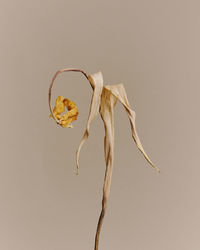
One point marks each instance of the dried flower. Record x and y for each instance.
(71, 115)
(103, 101)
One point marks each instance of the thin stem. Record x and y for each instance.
(52, 82)
(100, 222)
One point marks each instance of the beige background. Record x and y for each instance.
(153, 48)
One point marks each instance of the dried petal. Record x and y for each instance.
(59, 107)
(70, 116)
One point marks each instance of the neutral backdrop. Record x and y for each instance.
(153, 48)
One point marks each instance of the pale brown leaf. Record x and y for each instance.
(96, 81)
(120, 93)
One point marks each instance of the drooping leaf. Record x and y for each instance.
(120, 93)
(96, 81)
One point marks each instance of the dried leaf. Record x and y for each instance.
(96, 81)
(120, 93)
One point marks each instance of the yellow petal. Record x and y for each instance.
(69, 116)
(60, 106)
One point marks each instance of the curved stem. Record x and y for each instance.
(52, 82)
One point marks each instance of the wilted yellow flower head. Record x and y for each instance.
(67, 118)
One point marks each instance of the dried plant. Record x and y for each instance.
(103, 101)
